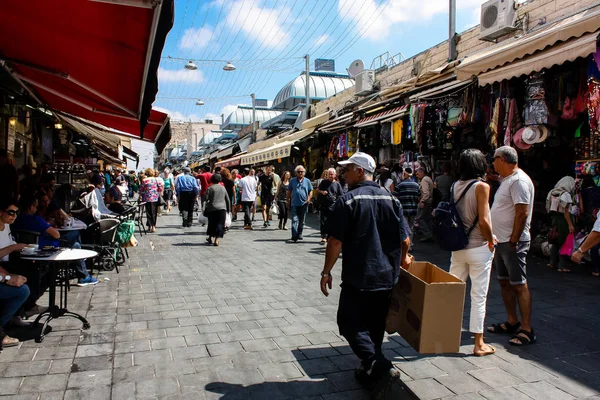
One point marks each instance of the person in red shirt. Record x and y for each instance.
(205, 182)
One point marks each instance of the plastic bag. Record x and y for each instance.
(274, 209)
(227, 220)
(202, 219)
(568, 247)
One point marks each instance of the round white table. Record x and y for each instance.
(55, 260)
(78, 225)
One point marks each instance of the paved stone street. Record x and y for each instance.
(246, 320)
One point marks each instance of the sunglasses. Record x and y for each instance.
(12, 213)
(300, 172)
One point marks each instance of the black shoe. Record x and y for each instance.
(300, 238)
(384, 383)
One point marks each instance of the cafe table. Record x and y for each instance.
(57, 259)
(78, 225)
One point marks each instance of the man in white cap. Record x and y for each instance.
(367, 225)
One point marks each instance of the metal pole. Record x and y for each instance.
(307, 89)
(253, 117)
(452, 54)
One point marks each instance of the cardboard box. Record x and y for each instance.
(427, 309)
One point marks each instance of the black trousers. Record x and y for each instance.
(151, 210)
(323, 215)
(283, 211)
(247, 208)
(361, 320)
(186, 206)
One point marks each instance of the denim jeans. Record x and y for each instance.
(11, 298)
(298, 216)
(74, 242)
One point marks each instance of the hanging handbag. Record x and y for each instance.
(227, 220)
(274, 209)
(567, 248)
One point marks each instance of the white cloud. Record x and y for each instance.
(215, 118)
(260, 23)
(180, 75)
(193, 38)
(377, 25)
(322, 39)
(227, 110)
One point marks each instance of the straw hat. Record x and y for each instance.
(543, 133)
(531, 135)
(518, 140)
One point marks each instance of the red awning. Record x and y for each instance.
(383, 115)
(96, 60)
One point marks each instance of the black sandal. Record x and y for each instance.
(527, 339)
(507, 328)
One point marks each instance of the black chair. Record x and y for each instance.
(26, 236)
(100, 237)
(139, 217)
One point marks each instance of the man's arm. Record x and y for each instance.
(332, 253)
(521, 214)
(590, 242)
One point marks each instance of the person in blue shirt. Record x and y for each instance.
(298, 197)
(49, 236)
(368, 226)
(187, 193)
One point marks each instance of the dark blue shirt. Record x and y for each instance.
(35, 223)
(368, 221)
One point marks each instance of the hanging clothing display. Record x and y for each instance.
(397, 128)
(513, 123)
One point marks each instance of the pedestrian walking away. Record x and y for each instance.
(281, 196)
(367, 226)
(217, 206)
(298, 197)
(187, 193)
(150, 192)
(424, 218)
(511, 219)
(475, 260)
(409, 194)
(249, 186)
(328, 192)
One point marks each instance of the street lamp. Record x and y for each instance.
(190, 66)
(229, 67)
(199, 103)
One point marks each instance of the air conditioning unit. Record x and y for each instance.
(497, 19)
(364, 81)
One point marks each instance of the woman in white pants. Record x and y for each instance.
(475, 260)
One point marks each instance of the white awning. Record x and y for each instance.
(315, 121)
(280, 150)
(227, 151)
(230, 162)
(556, 55)
(508, 51)
(294, 137)
(439, 91)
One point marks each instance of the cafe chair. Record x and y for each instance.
(101, 238)
(139, 217)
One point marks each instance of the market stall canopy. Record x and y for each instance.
(279, 150)
(507, 52)
(337, 124)
(375, 119)
(94, 59)
(556, 55)
(446, 89)
(315, 121)
(230, 162)
(224, 152)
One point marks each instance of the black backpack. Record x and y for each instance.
(448, 226)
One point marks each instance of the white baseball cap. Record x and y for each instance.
(361, 159)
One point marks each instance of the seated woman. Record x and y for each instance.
(13, 290)
(113, 200)
(49, 236)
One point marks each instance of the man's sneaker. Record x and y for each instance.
(19, 321)
(362, 377)
(87, 281)
(35, 310)
(383, 384)
(265, 224)
(300, 238)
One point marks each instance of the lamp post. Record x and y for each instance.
(253, 117)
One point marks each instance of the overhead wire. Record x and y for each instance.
(174, 46)
(383, 5)
(193, 23)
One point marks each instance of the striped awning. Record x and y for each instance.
(279, 150)
(374, 119)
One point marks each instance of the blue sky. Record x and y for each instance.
(266, 40)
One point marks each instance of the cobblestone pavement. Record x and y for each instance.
(246, 320)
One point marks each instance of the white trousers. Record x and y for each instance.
(475, 263)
